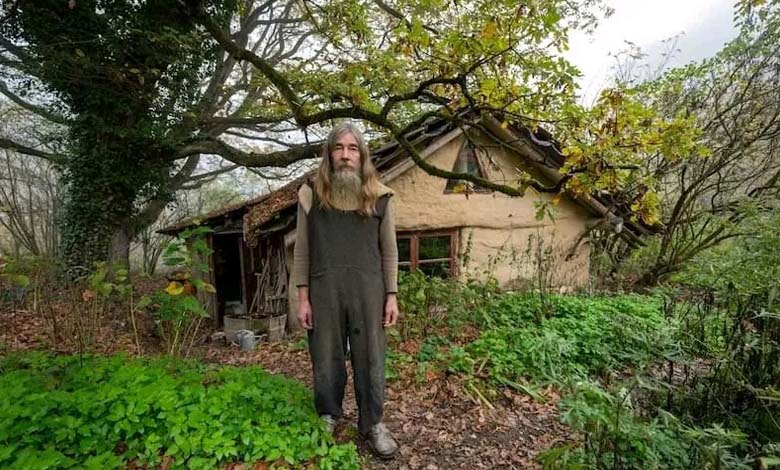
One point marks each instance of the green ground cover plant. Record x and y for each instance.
(60, 412)
(640, 375)
(576, 338)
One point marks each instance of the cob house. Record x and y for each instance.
(441, 229)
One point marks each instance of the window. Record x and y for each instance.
(404, 253)
(433, 253)
(467, 162)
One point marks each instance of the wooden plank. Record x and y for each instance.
(454, 254)
(211, 305)
(249, 274)
(414, 251)
(242, 264)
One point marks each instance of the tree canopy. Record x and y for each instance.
(146, 88)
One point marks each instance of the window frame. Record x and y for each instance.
(481, 170)
(414, 237)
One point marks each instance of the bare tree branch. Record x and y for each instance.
(247, 122)
(52, 157)
(280, 158)
(156, 205)
(210, 175)
(40, 111)
(261, 138)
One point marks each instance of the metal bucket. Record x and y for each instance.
(247, 339)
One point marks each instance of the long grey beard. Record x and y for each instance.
(345, 189)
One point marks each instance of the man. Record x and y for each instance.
(345, 267)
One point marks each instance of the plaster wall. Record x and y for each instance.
(495, 229)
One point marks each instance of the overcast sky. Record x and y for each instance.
(706, 25)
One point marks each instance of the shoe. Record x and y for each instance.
(330, 422)
(381, 441)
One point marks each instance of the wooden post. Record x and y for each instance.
(242, 267)
(212, 300)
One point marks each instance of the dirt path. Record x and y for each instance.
(436, 424)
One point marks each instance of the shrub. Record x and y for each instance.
(616, 436)
(582, 337)
(430, 303)
(177, 310)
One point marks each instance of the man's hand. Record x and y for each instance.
(391, 310)
(304, 314)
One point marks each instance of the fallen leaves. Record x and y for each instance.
(434, 419)
(435, 422)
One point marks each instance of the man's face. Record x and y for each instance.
(346, 156)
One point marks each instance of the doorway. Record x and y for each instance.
(227, 275)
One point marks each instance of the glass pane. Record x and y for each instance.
(404, 249)
(466, 162)
(434, 247)
(439, 269)
(473, 165)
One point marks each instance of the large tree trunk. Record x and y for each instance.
(102, 186)
(120, 246)
(86, 242)
(105, 177)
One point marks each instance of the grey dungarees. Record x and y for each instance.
(347, 296)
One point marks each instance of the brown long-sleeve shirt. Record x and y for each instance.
(387, 241)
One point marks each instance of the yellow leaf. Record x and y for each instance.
(649, 217)
(174, 288)
(209, 288)
(504, 124)
(556, 199)
(490, 31)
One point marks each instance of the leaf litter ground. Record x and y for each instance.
(437, 424)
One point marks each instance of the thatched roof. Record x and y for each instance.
(259, 215)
